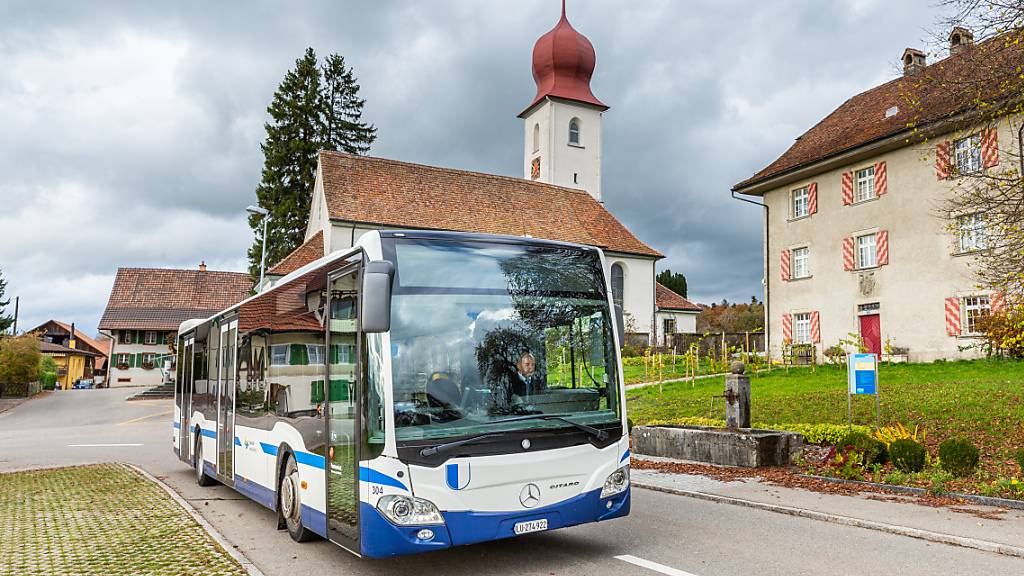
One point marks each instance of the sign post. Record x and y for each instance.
(862, 378)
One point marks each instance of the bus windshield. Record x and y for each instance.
(483, 332)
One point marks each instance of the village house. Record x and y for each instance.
(76, 355)
(145, 308)
(854, 238)
(558, 198)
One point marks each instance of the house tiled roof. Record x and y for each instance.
(399, 194)
(666, 299)
(161, 299)
(312, 249)
(51, 348)
(939, 92)
(94, 344)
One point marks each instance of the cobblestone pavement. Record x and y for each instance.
(100, 519)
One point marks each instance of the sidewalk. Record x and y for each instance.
(980, 527)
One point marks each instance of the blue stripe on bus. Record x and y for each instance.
(208, 433)
(309, 459)
(177, 425)
(257, 492)
(374, 477)
(268, 448)
(624, 456)
(238, 442)
(315, 520)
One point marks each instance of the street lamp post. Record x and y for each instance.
(262, 213)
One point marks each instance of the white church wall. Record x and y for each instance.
(638, 288)
(562, 163)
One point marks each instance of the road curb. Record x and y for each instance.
(219, 538)
(939, 537)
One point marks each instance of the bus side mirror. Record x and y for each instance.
(376, 298)
(620, 324)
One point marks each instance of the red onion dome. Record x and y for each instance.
(563, 63)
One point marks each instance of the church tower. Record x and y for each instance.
(562, 127)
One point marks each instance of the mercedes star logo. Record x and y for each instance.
(530, 496)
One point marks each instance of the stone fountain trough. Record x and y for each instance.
(736, 445)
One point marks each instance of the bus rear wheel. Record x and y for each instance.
(202, 478)
(290, 502)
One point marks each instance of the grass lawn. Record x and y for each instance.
(982, 400)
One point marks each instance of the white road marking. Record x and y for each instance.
(100, 445)
(652, 565)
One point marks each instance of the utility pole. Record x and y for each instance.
(14, 329)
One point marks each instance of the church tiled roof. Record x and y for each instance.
(403, 195)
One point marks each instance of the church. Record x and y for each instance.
(558, 198)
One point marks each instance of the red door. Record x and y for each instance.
(871, 332)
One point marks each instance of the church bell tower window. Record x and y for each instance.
(574, 132)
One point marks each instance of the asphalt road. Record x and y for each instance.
(664, 534)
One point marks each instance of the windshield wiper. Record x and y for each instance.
(448, 446)
(599, 434)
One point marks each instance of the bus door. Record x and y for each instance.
(340, 391)
(185, 398)
(226, 400)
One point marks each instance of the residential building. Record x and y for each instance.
(855, 241)
(145, 308)
(559, 197)
(77, 356)
(675, 315)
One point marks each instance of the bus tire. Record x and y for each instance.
(290, 502)
(202, 478)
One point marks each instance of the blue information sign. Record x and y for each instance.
(863, 373)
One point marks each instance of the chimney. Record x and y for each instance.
(960, 39)
(913, 61)
(202, 266)
(72, 343)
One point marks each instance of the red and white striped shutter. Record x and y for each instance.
(882, 247)
(997, 302)
(943, 167)
(812, 198)
(847, 188)
(953, 316)
(881, 180)
(848, 261)
(787, 327)
(989, 147)
(815, 328)
(784, 265)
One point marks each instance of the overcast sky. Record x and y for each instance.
(130, 132)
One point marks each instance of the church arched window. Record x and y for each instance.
(574, 131)
(618, 283)
(536, 137)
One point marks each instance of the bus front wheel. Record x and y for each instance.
(290, 502)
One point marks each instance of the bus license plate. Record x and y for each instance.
(531, 526)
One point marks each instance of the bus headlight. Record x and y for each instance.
(409, 511)
(616, 483)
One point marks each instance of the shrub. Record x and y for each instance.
(835, 355)
(875, 451)
(1020, 459)
(907, 455)
(831, 434)
(19, 364)
(958, 456)
(849, 464)
(889, 434)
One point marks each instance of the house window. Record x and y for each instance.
(801, 262)
(315, 353)
(669, 326)
(123, 359)
(801, 198)
(971, 232)
(865, 184)
(975, 308)
(867, 256)
(148, 359)
(574, 132)
(618, 284)
(279, 355)
(802, 328)
(967, 152)
(126, 336)
(150, 337)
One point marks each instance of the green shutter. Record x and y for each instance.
(339, 390)
(316, 392)
(298, 356)
(131, 360)
(138, 336)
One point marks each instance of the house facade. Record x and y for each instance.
(856, 241)
(76, 355)
(675, 315)
(558, 198)
(145, 308)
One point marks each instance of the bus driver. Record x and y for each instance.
(527, 380)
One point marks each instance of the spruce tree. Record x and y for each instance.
(314, 108)
(6, 320)
(674, 282)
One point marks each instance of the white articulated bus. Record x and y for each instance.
(419, 391)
